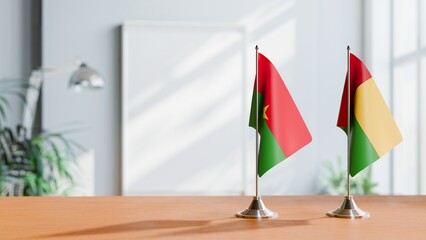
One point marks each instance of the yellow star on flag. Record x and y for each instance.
(264, 112)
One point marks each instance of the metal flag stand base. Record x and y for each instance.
(257, 209)
(349, 209)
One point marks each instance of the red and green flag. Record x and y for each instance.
(373, 130)
(281, 127)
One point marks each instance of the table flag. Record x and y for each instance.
(373, 130)
(281, 127)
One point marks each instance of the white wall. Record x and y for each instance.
(394, 54)
(305, 39)
(15, 48)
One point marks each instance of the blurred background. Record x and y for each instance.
(172, 115)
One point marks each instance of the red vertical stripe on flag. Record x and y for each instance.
(359, 74)
(284, 119)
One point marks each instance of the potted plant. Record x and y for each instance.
(333, 181)
(33, 166)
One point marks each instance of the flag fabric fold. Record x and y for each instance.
(281, 127)
(373, 130)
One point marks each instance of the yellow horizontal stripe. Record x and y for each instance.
(375, 118)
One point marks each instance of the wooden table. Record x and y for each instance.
(392, 217)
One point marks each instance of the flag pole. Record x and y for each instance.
(348, 183)
(348, 209)
(257, 121)
(257, 208)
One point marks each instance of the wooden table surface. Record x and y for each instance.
(301, 217)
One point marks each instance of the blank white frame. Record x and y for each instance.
(125, 101)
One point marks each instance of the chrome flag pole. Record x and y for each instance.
(257, 208)
(348, 209)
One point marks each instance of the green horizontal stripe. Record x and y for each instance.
(270, 153)
(362, 151)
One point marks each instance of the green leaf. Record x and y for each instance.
(30, 180)
(2, 113)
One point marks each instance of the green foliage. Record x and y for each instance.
(334, 180)
(41, 165)
(35, 166)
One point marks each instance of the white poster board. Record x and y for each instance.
(184, 115)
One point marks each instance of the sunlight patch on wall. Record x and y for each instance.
(265, 13)
(283, 38)
(406, 117)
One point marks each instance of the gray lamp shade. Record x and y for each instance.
(86, 78)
